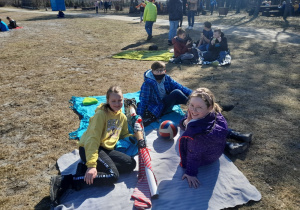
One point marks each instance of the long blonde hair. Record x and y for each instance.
(208, 97)
(112, 89)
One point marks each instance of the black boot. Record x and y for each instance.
(227, 108)
(148, 118)
(236, 148)
(58, 185)
(239, 136)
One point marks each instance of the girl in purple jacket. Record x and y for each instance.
(204, 137)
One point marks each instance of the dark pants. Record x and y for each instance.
(191, 18)
(212, 9)
(110, 164)
(174, 98)
(148, 27)
(212, 56)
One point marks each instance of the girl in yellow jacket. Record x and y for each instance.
(102, 164)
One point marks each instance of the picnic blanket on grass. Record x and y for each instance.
(155, 55)
(222, 185)
(85, 112)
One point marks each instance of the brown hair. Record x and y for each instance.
(180, 31)
(112, 89)
(208, 97)
(158, 65)
(218, 30)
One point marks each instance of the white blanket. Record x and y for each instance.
(222, 184)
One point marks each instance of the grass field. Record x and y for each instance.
(50, 60)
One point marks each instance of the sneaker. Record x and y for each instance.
(55, 189)
(227, 108)
(236, 148)
(58, 185)
(149, 37)
(191, 27)
(240, 136)
(148, 118)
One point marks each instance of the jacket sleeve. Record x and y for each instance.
(144, 99)
(93, 138)
(155, 15)
(182, 151)
(211, 47)
(223, 44)
(191, 158)
(145, 13)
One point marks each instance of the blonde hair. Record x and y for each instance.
(208, 97)
(112, 89)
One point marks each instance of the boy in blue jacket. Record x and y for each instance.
(159, 93)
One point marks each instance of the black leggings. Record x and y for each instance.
(109, 164)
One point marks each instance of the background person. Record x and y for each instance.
(150, 15)
(12, 23)
(175, 15)
(3, 26)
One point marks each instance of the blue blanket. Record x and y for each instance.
(85, 112)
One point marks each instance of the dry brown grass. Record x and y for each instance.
(50, 60)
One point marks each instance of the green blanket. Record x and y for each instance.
(157, 55)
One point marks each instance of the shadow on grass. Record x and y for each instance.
(54, 17)
(43, 204)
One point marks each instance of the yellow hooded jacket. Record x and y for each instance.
(105, 129)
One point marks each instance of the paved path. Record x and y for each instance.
(271, 35)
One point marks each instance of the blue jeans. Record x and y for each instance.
(191, 18)
(141, 16)
(173, 29)
(174, 98)
(148, 27)
(222, 56)
(203, 47)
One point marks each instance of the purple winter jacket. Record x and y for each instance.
(202, 142)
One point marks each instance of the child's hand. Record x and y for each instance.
(188, 42)
(90, 175)
(189, 116)
(192, 180)
(188, 119)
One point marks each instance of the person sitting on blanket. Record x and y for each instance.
(159, 93)
(182, 47)
(3, 26)
(12, 23)
(101, 163)
(206, 36)
(217, 49)
(204, 137)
